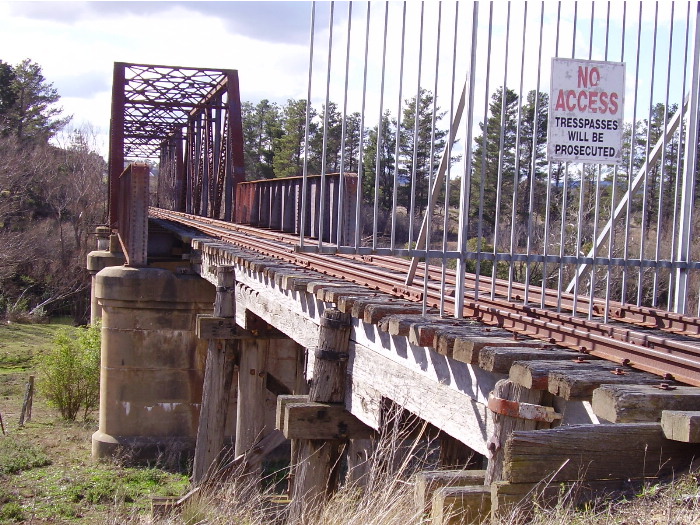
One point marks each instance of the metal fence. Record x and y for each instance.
(453, 106)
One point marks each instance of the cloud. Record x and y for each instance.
(278, 22)
(82, 85)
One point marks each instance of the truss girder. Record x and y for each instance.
(182, 117)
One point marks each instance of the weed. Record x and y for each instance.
(11, 511)
(18, 454)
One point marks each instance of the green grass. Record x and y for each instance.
(21, 343)
(47, 474)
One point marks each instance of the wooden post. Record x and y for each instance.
(26, 414)
(316, 471)
(250, 417)
(504, 425)
(218, 375)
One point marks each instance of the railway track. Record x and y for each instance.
(656, 341)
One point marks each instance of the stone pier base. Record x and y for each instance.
(152, 362)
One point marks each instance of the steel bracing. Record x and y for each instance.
(187, 118)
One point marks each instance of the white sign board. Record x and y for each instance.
(585, 111)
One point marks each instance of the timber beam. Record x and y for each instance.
(311, 420)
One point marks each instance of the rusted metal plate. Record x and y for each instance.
(522, 410)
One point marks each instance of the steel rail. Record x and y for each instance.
(642, 316)
(668, 357)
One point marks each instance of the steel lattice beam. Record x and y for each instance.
(155, 108)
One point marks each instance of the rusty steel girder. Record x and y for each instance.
(190, 120)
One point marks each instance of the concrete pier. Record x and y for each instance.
(152, 362)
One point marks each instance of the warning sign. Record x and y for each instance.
(585, 111)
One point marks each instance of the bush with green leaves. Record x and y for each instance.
(69, 375)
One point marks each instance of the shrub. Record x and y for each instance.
(69, 375)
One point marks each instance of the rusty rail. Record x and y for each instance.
(668, 356)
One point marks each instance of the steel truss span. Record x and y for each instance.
(187, 118)
(649, 339)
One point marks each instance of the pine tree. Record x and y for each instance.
(289, 148)
(425, 166)
(387, 163)
(487, 157)
(352, 141)
(528, 127)
(333, 132)
(33, 116)
(7, 96)
(261, 128)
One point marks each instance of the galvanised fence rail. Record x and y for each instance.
(548, 145)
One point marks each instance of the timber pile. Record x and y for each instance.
(648, 428)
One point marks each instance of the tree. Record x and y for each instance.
(387, 163)
(353, 137)
(415, 148)
(533, 128)
(70, 372)
(494, 153)
(332, 127)
(7, 95)
(261, 128)
(33, 115)
(289, 148)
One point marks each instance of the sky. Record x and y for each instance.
(76, 43)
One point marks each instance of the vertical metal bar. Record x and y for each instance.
(516, 169)
(446, 204)
(549, 190)
(197, 189)
(562, 238)
(207, 173)
(595, 248)
(235, 140)
(415, 132)
(611, 238)
(463, 200)
(180, 184)
(501, 149)
(322, 203)
(533, 167)
(360, 160)
(305, 172)
(397, 151)
(428, 205)
(679, 158)
(645, 185)
(343, 137)
(689, 167)
(628, 209)
(380, 130)
(581, 182)
(662, 171)
(484, 141)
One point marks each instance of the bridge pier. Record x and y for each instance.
(152, 363)
(107, 254)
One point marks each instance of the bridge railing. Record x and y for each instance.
(460, 167)
(132, 213)
(277, 204)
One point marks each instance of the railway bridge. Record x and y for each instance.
(523, 315)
